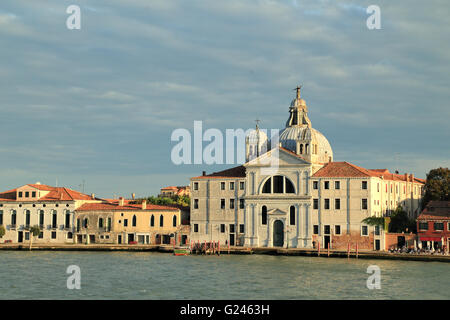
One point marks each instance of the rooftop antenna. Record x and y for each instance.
(56, 182)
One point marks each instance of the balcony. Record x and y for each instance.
(12, 226)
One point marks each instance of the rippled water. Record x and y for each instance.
(126, 275)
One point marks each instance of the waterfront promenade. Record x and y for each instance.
(232, 250)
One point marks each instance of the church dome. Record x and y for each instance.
(290, 135)
(257, 136)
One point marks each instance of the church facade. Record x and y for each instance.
(290, 193)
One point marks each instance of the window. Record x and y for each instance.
(53, 234)
(337, 230)
(264, 215)
(337, 204)
(378, 187)
(423, 225)
(438, 226)
(242, 185)
(69, 235)
(364, 231)
(33, 194)
(231, 228)
(41, 218)
(326, 229)
(27, 218)
(54, 219)
(125, 222)
(13, 217)
(195, 227)
(195, 203)
(20, 194)
(222, 186)
(27, 194)
(133, 222)
(316, 204)
(1, 217)
(316, 229)
(152, 221)
(337, 185)
(281, 184)
(315, 185)
(377, 230)
(67, 225)
(222, 228)
(195, 185)
(292, 216)
(222, 203)
(327, 204)
(41, 235)
(241, 203)
(231, 203)
(364, 185)
(241, 228)
(326, 184)
(78, 225)
(108, 227)
(231, 185)
(174, 221)
(161, 221)
(364, 204)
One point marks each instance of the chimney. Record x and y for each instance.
(412, 177)
(121, 201)
(144, 205)
(93, 196)
(133, 196)
(204, 173)
(406, 177)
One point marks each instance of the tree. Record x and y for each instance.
(374, 221)
(400, 222)
(2, 231)
(34, 231)
(437, 186)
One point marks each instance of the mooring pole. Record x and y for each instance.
(357, 250)
(318, 248)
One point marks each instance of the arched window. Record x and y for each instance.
(292, 216)
(161, 220)
(85, 222)
(13, 217)
(174, 221)
(54, 219)
(264, 215)
(67, 225)
(281, 184)
(134, 221)
(152, 221)
(100, 222)
(109, 225)
(301, 149)
(1, 217)
(41, 218)
(27, 218)
(306, 148)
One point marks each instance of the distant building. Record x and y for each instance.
(51, 208)
(175, 191)
(305, 200)
(122, 223)
(433, 225)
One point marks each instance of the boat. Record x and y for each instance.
(181, 251)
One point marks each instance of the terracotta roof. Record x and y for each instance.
(108, 206)
(346, 169)
(236, 172)
(55, 194)
(436, 210)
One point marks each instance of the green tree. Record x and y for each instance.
(2, 231)
(374, 221)
(437, 186)
(34, 232)
(400, 222)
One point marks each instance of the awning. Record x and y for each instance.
(430, 239)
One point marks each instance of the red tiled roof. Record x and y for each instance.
(346, 169)
(108, 206)
(236, 172)
(436, 210)
(55, 194)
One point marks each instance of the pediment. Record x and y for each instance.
(276, 212)
(277, 157)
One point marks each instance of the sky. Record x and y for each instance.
(98, 105)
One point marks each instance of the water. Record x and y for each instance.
(126, 275)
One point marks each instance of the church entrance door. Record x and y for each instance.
(278, 234)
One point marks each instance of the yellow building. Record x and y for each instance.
(121, 223)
